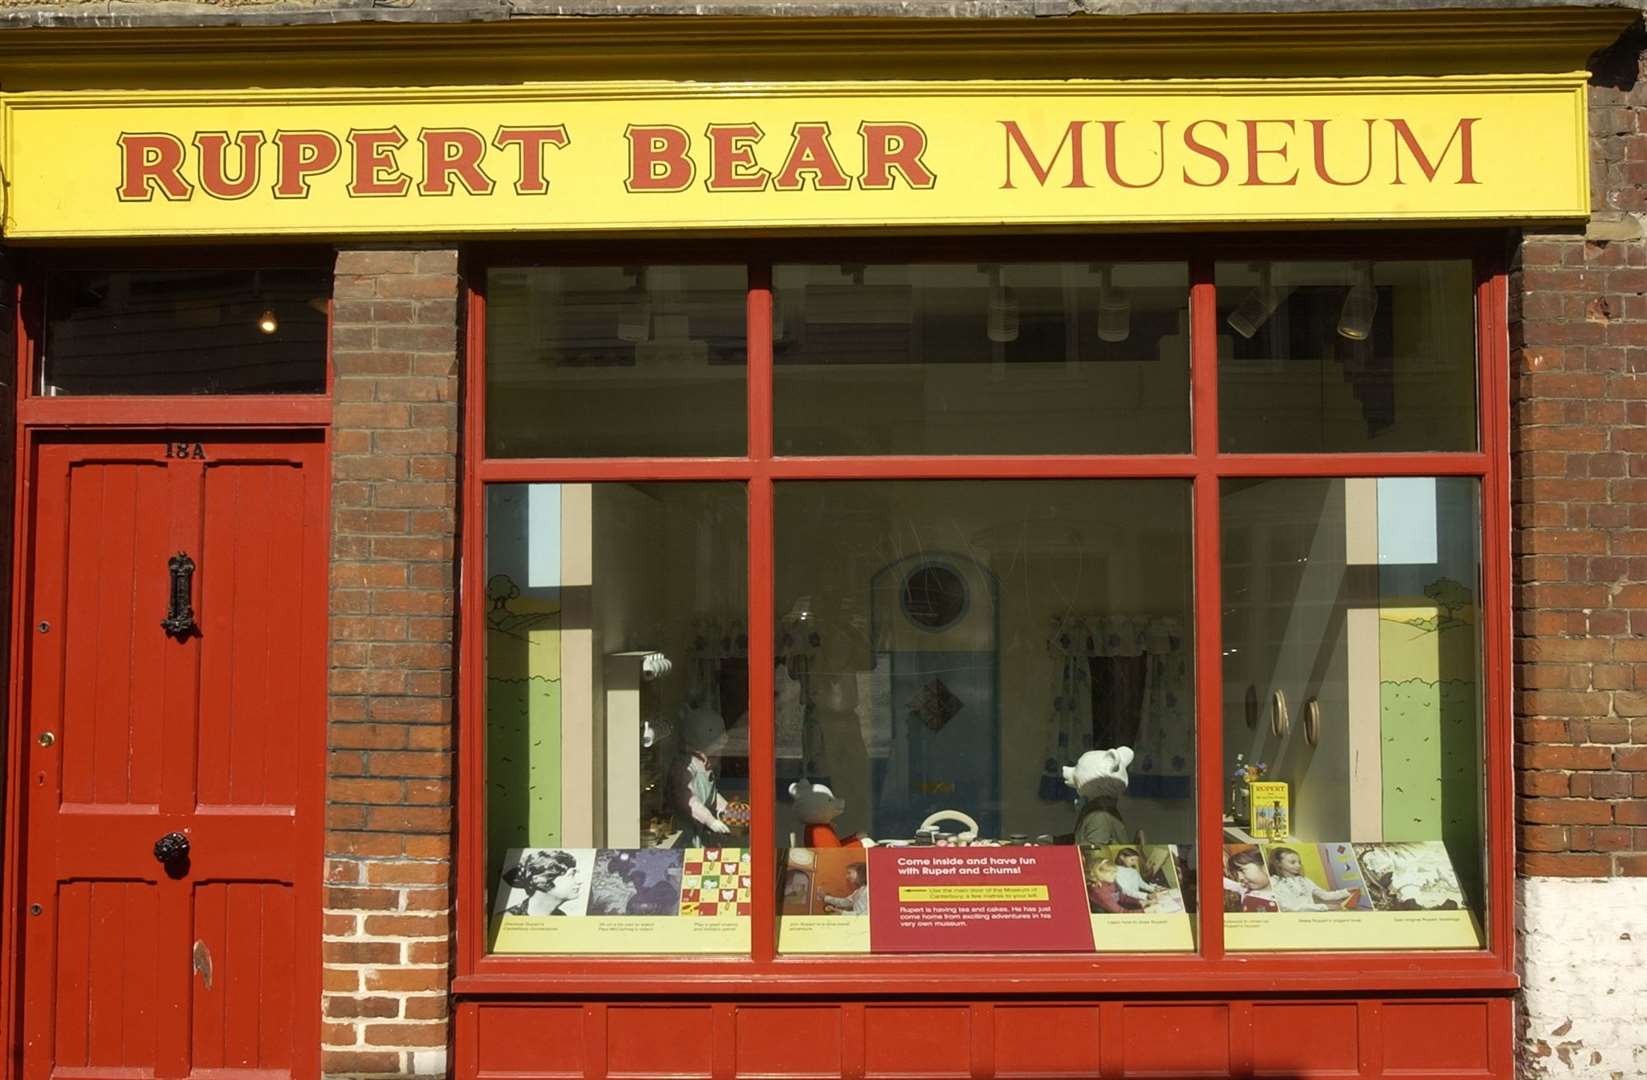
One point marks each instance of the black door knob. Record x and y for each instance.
(172, 847)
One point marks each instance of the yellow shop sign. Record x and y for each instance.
(600, 157)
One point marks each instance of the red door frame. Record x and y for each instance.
(39, 416)
(1210, 971)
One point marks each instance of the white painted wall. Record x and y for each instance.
(1582, 951)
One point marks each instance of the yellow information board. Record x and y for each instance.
(597, 157)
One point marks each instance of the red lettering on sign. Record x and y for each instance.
(1114, 171)
(212, 149)
(658, 159)
(302, 155)
(1461, 135)
(1254, 151)
(151, 162)
(1319, 130)
(732, 165)
(1072, 139)
(810, 155)
(1196, 146)
(894, 148)
(449, 153)
(532, 142)
(376, 171)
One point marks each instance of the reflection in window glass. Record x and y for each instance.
(944, 650)
(1346, 356)
(1020, 358)
(617, 717)
(615, 361)
(207, 331)
(1352, 715)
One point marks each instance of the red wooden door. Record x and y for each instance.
(134, 967)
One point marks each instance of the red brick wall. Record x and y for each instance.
(1579, 467)
(389, 792)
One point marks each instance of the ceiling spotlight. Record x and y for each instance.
(1355, 318)
(1003, 310)
(1258, 305)
(266, 322)
(1114, 310)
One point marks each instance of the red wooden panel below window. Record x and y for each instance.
(530, 1040)
(798, 1040)
(918, 1040)
(1295, 1038)
(1176, 1040)
(1311, 1040)
(1436, 1037)
(658, 1041)
(1046, 1040)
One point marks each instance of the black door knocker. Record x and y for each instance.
(180, 622)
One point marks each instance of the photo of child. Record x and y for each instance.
(639, 881)
(1414, 875)
(1125, 879)
(1294, 887)
(1247, 880)
(840, 882)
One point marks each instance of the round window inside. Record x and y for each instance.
(934, 597)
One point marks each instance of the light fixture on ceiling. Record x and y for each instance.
(1114, 309)
(1355, 318)
(1002, 325)
(635, 312)
(1258, 305)
(267, 323)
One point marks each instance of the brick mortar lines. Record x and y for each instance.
(386, 939)
(1579, 495)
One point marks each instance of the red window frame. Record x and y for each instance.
(1210, 969)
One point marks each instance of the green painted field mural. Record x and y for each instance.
(1428, 649)
(523, 719)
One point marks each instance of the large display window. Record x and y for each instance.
(1124, 609)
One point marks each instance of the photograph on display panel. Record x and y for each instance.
(622, 900)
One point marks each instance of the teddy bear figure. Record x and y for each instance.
(1099, 778)
(817, 807)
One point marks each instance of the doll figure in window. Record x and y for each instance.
(1100, 778)
(694, 802)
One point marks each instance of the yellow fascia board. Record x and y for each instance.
(644, 156)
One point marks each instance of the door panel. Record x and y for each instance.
(250, 609)
(106, 957)
(114, 705)
(209, 962)
(245, 1020)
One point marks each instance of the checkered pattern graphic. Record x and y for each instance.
(715, 882)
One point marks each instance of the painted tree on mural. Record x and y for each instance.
(1449, 596)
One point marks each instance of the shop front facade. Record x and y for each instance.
(711, 545)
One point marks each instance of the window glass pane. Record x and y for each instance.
(1346, 356)
(944, 649)
(616, 361)
(206, 331)
(617, 780)
(969, 358)
(1352, 713)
